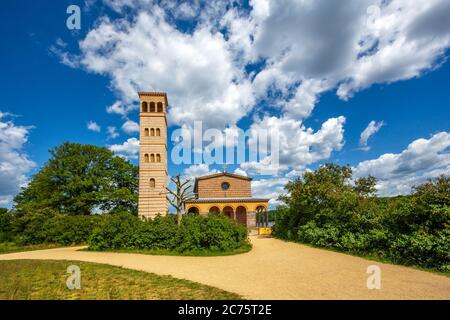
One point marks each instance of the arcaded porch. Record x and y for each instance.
(247, 211)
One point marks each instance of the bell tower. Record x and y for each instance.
(152, 154)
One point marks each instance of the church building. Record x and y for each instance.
(223, 192)
(231, 194)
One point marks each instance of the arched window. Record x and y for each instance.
(144, 107)
(152, 132)
(152, 157)
(193, 210)
(146, 132)
(160, 107)
(146, 157)
(158, 158)
(228, 211)
(152, 183)
(214, 210)
(152, 107)
(158, 132)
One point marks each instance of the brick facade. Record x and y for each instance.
(152, 154)
(240, 187)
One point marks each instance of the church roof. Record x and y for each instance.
(206, 200)
(220, 174)
(223, 174)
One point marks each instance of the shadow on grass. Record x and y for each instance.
(192, 253)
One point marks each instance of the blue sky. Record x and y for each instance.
(319, 80)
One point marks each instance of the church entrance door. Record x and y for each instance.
(241, 215)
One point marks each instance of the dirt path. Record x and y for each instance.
(274, 270)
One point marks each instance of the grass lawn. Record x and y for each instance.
(46, 279)
(199, 253)
(9, 247)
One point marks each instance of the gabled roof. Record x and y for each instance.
(224, 200)
(223, 174)
(220, 174)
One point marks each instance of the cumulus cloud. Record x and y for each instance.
(119, 108)
(197, 170)
(421, 160)
(93, 126)
(366, 42)
(372, 128)
(270, 188)
(287, 53)
(240, 172)
(112, 132)
(151, 54)
(402, 41)
(299, 146)
(128, 149)
(14, 162)
(303, 52)
(130, 127)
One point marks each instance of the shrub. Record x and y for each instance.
(324, 209)
(213, 233)
(196, 233)
(47, 226)
(418, 248)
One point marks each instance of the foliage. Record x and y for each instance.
(326, 209)
(47, 226)
(80, 179)
(5, 225)
(196, 233)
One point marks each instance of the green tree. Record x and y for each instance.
(365, 186)
(80, 179)
(326, 197)
(5, 224)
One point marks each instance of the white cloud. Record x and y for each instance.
(305, 98)
(14, 162)
(405, 40)
(112, 133)
(195, 69)
(422, 159)
(130, 127)
(93, 126)
(128, 149)
(372, 128)
(299, 146)
(357, 48)
(119, 108)
(197, 170)
(240, 172)
(269, 188)
(121, 5)
(302, 51)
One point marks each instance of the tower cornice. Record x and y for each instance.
(154, 94)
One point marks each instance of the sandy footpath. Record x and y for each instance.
(274, 269)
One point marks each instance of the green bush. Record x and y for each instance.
(196, 233)
(325, 209)
(47, 226)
